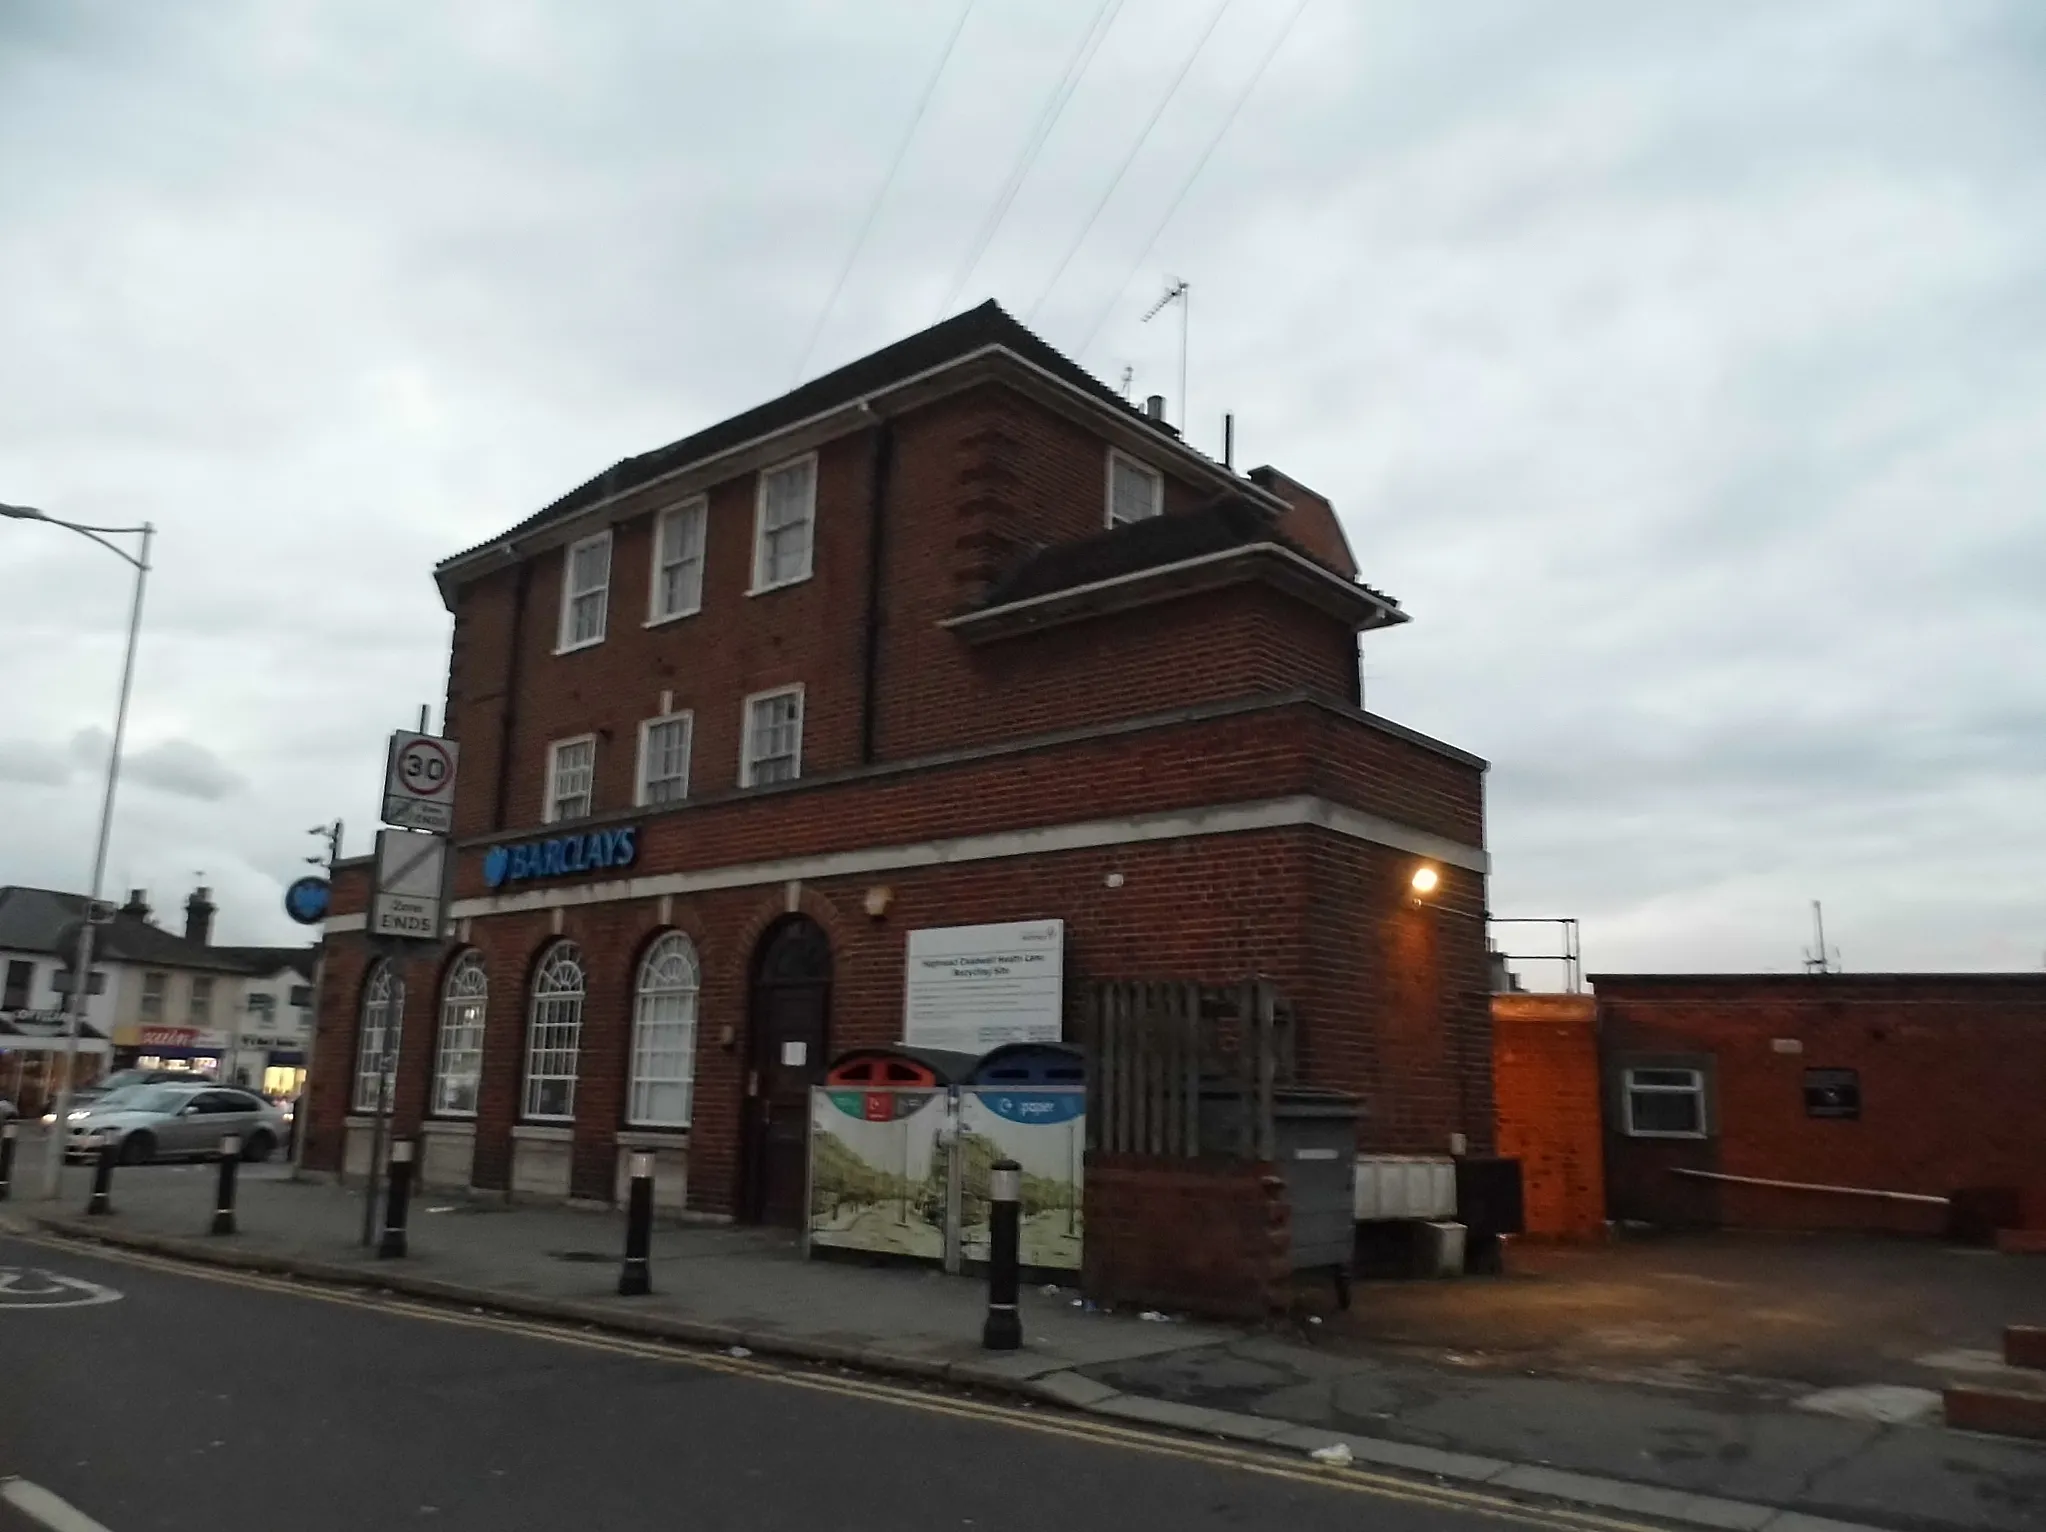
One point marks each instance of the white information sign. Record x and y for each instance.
(419, 782)
(411, 872)
(975, 987)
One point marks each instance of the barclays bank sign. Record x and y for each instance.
(562, 857)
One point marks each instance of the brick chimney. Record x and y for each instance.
(138, 904)
(199, 916)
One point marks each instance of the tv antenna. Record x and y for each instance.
(1175, 292)
(1129, 376)
(1817, 957)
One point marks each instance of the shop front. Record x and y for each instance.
(177, 1048)
(32, 1049)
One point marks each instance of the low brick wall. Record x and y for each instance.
(1208, 1237)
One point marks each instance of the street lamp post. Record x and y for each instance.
(81, 973)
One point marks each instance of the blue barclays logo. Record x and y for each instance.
(561, 857)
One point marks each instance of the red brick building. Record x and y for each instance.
(1921, 1084)
(953, 635)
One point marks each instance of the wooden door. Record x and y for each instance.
(790, 1016)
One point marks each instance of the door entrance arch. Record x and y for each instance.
(789, 1034)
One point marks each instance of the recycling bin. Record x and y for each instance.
(897, 1064)
(1040, 1064)
(881, 1128)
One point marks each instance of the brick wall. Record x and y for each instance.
(1545, 1079)
(1952, 1069)
(1211, 909)
(977, 482)
(1416, 969)
(1266, 751)
(1201, 1236)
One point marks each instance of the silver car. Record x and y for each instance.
(169, 1122)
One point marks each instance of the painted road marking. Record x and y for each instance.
(45, 1509)
(33, 1288)
(1044, 1420)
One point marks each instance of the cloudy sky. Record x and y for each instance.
(1681, 367)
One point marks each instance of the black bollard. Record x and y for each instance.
(223, 1201)
(1004, 1328)
(7, 1132)
(103, 1176)
(635, 1281)
(397, 1197)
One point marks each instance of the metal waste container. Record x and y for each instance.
(1315, 1148)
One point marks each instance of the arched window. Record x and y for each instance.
(664, 1035)
(376, 1040)
(554, 1035)
(458, 1061)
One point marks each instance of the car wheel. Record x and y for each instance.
(138, 1149)
(258, 1148)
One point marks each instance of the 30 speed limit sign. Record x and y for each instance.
(419, 783)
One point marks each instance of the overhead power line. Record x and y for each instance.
(1193, 175)
(881, 196)
(1047, 119)
(1129, 159)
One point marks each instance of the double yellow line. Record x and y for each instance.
(1048, 1421)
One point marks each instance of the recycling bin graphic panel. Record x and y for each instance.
(878, 1178)
(1044, 1130)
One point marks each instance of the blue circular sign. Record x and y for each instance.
(306, 901)
(496, 863)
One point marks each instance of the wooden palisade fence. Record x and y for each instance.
(1154, 1046)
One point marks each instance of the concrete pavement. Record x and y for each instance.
(1649, 1449)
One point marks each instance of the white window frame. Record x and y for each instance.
(746, 762)
(1108, 517)
(155, 990)
(1694, 1089)
(379, 1028)
(550, 809)
(641, 787)
(564, 642)
(761, 583)
(697, 510)
(199, 991)
(458, 1051)
(664, 1011)
(554, 1016)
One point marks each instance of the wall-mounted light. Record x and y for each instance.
(1425, 880)
(879, 897)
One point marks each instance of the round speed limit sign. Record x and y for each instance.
(419, 784)
(426, 768)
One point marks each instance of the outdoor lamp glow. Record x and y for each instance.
(1425, 878)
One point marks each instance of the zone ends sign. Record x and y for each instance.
(419, 783)
(411, 882)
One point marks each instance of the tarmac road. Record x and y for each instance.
(150, 1396)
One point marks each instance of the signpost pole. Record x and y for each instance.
(387, 1065)
(408, 901)
(311, 909)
